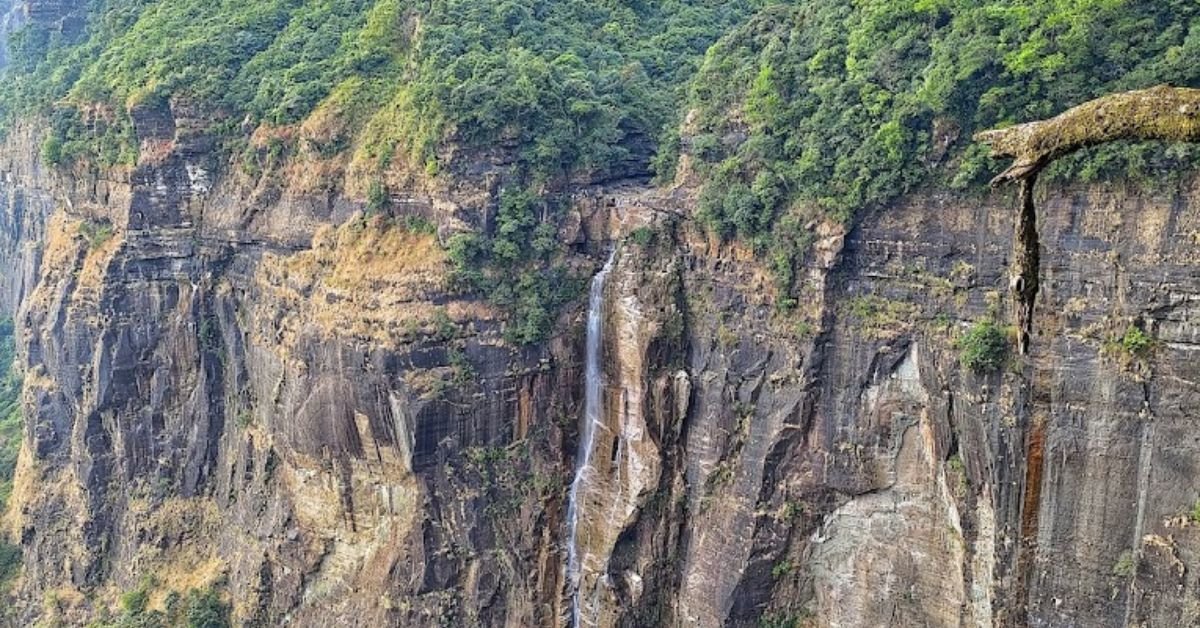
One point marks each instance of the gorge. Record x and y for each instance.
(542, 313)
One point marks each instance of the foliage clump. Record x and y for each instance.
(1125, 565)
(96, 234)
(514, 267)
(10, 410)
(984, 348)
(10, 563)
(198, 608)
(1135, 341)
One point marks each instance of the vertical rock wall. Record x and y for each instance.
(268, 390)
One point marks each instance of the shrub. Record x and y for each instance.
(134, 602)
(377, 197)
(205, 609)
(10, 562)
(1124, 565)
(984, 347)
(642, 236)
(1135, 341)
(779, 620)
(52, 151)
(444, 327)
(97, 234)
(782, 569)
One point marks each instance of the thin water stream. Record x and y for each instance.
(593, 406)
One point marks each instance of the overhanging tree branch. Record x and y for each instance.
(1160, 113)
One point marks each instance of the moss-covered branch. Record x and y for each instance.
(1160, 113)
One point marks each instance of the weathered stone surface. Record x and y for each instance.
(251, 381)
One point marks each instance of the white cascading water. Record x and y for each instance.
(592, 407)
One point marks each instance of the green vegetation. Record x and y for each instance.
(10, 441)
(783, 620)
(1194, 513)
(1125, 565)
(198, 608)
(794, 510)
(10, 564)
(462, 369)
(642, 236)
(377, 197)
(1135, 341)
(514, 268)
(10, 410)
(134, 602)
(831, 107)
(984, 347)
(781, 569)
(566, 83)
(879, 317)
(444, 327)
(96, 233)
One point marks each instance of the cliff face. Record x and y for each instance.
(265, 391)
(850, 472)
(303, 412)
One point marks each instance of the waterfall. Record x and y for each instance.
(592, 408)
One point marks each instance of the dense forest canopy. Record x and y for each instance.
(565, 81)
(820, 108)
